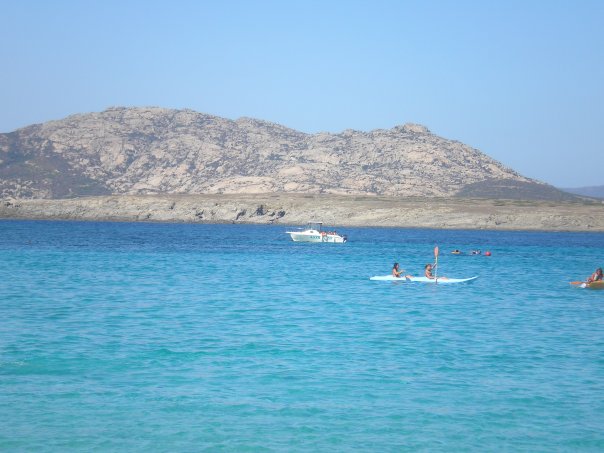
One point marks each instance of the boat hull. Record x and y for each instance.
(390, 278)
(593, 285)
(316, 237)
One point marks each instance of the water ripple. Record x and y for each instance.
(229, 337)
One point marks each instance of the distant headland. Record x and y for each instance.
(164, 151)
(161, 164)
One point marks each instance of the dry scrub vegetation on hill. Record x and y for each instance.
(163, 151)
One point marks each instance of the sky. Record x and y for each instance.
(522, 81)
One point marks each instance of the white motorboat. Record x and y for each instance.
(314, 233)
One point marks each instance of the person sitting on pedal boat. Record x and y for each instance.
(596, 276)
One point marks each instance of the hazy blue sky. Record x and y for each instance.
(522, 81)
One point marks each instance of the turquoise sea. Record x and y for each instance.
(182, 337)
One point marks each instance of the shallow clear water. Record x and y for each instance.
(122, 336)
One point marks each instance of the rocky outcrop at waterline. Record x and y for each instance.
(336, 210)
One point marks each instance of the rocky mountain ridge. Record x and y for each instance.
(157, 150)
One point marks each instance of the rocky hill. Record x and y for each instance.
(156, 150)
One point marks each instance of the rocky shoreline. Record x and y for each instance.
(336, 210)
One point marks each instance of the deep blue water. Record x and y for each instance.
(175, 337)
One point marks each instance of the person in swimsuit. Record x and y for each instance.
(596, 276)
(428, 271)
(397, 271)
